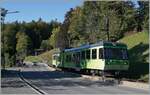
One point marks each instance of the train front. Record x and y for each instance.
(116, 57)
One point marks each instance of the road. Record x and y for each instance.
(57, 82)
(12, 84)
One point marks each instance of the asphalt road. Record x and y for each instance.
(12, 84)
(57, 82)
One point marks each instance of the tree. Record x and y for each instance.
(63, 34)
(45, 45)
(143, 15)
(8, 44)
(23, 45)
(53, 40)
(39, 31)
(120, 16)
(75, 27)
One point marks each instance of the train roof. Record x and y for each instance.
(101, 43)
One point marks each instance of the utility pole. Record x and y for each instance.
(107, 27)
(3, 13)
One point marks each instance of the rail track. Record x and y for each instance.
(96, 77)
(36, 89)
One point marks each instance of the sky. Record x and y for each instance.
(34, 9)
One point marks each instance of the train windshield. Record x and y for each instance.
(56, 57)
(115, 53)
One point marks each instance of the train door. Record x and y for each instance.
(77, 61)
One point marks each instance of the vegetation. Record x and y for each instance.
(47, 56)
(138, 45)
(89, 23)
(23, 45)
(33, 59)
(45, 45)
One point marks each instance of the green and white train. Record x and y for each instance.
(102, 56)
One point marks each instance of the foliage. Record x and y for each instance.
(75, 27)
(33, 59)
(138, 46)
(144, 78)
(23, 45)
(45, 45)
(9, 40)
(47, 56)
(89, 23)
(21, 38)
(53, 40)
(9, 60)
(8, 45)
(144, 14)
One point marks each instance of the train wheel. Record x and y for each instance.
(103, 76)
(96, 72)
(118, 76)
(92, 72)
(99, 73)
(89, 71)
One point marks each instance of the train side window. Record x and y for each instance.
(94, 53)
(100, 53)
(66, 58)
(74, 56)
(83, 55)
(78, 55)
(87, 54)
(69, 58)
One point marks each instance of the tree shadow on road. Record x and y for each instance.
(49, 74)
(65, 79)
(9, 73)
(10, 79)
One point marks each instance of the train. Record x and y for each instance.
(100, 57)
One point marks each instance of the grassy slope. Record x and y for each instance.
(33, 59)
(47, 56)
(138, 46)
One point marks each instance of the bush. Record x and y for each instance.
(144, 78)
(33, 59)
(47, 56)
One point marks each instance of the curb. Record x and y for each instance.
(136, 85)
